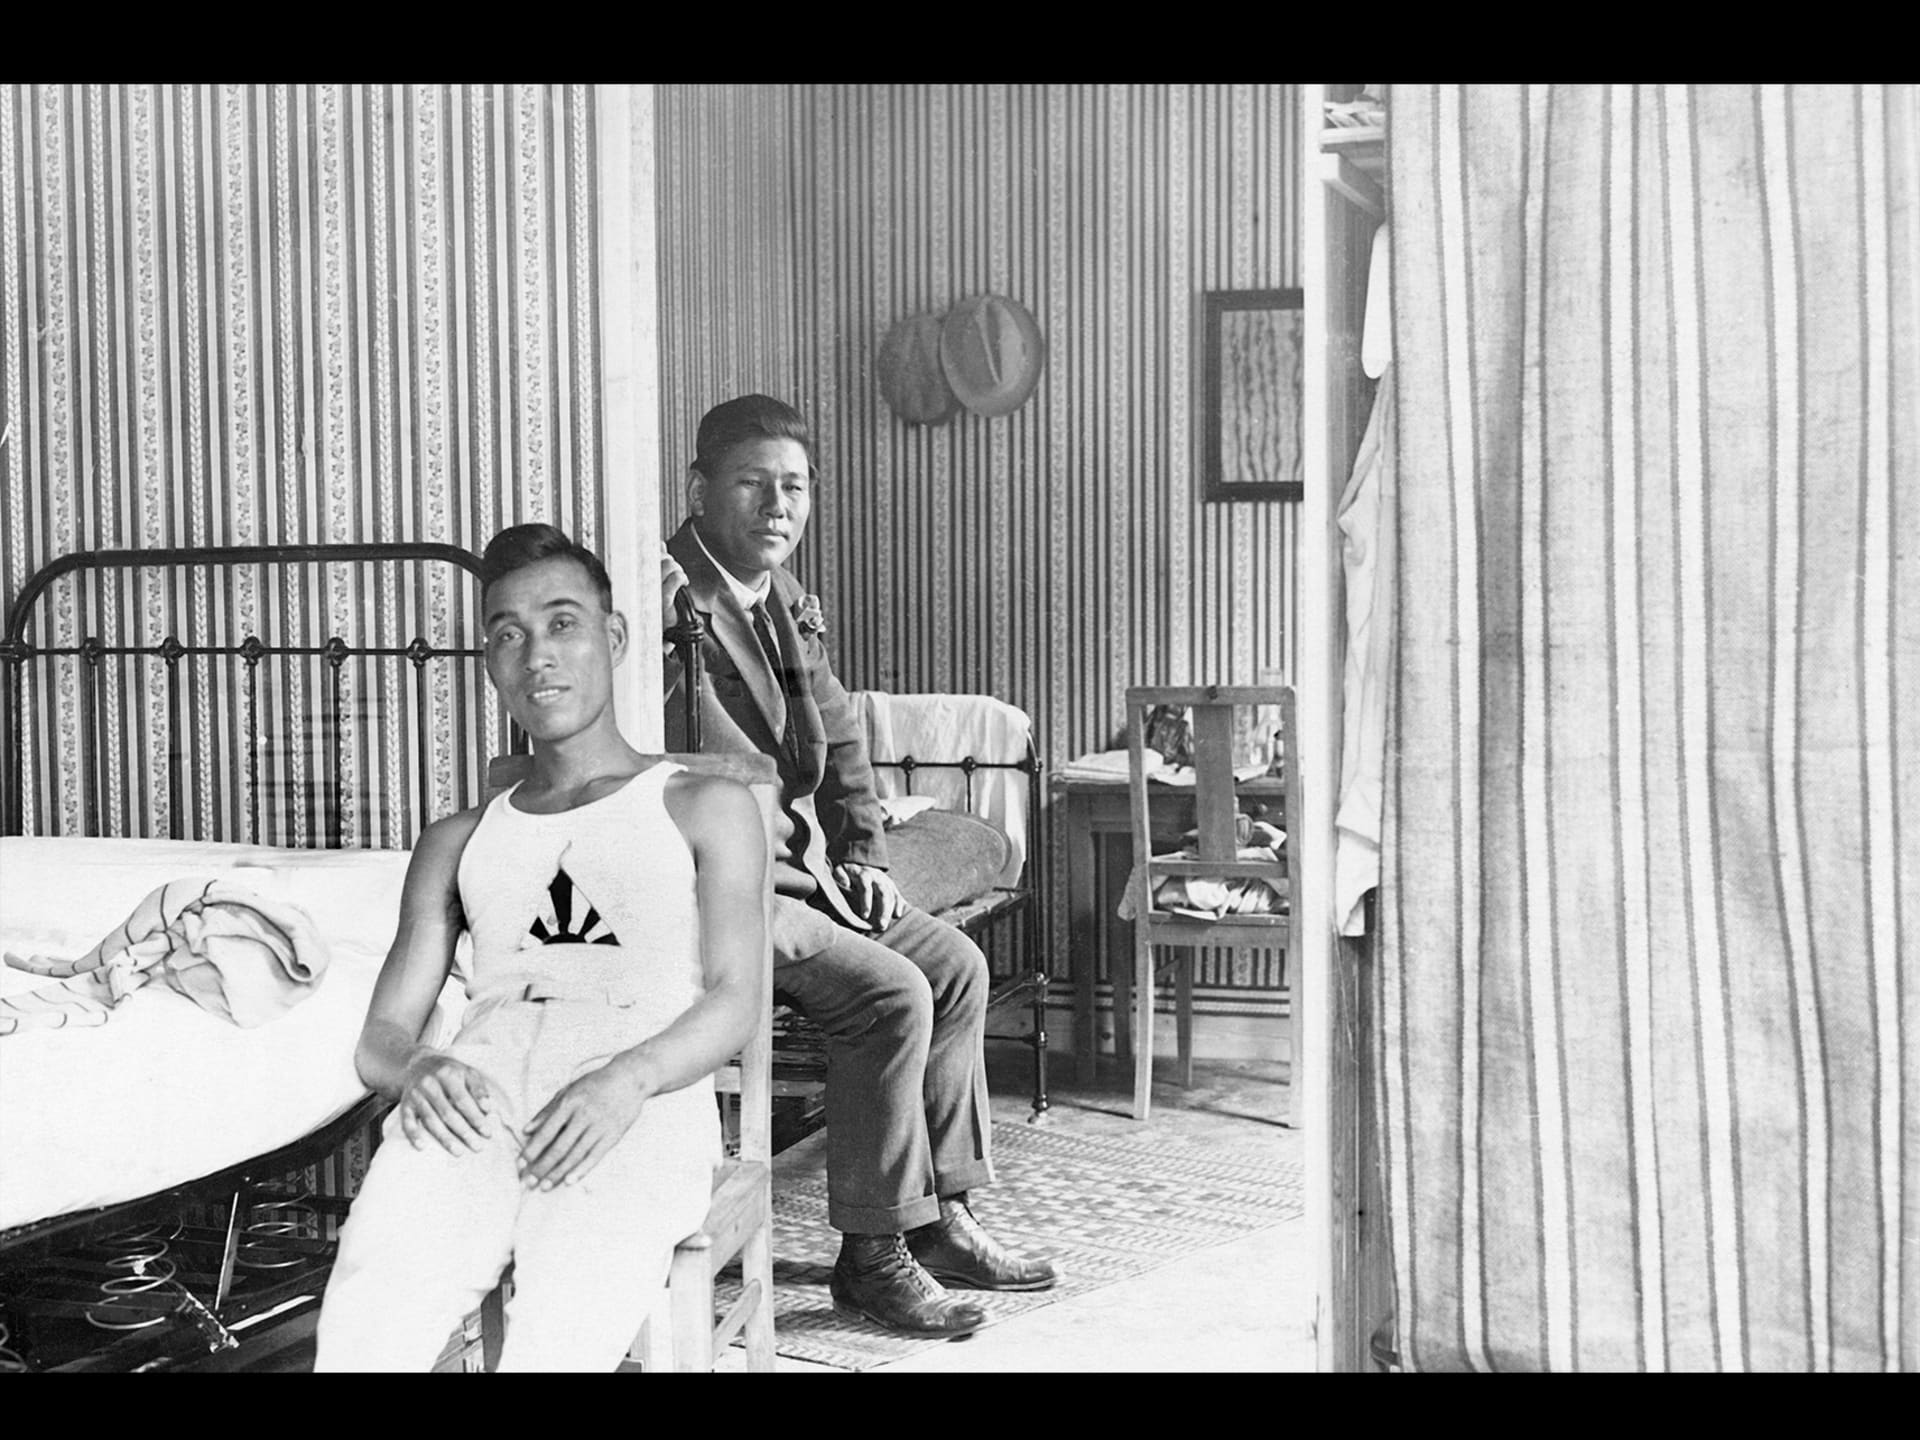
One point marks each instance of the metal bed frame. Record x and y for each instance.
(234, 1212)
(16, 650)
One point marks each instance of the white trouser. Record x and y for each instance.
(431, 1231)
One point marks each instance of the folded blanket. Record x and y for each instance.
(941, 859)
(235, 952)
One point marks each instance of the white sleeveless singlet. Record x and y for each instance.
(586, 940)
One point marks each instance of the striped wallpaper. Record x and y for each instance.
(725, 260)
(1055, 556)
(287, 314)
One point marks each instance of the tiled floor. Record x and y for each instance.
(1245, 1305)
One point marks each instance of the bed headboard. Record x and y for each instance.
(322, 695)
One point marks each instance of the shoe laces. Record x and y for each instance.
(901, 1260)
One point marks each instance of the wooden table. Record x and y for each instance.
(1095, 816)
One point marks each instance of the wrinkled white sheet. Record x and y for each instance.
(168, 1092)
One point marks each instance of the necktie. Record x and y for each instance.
(763, 631)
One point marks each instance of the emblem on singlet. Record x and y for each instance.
(569, 917)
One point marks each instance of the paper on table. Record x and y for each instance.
(1183, 774)
(1109, 764)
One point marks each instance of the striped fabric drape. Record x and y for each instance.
(285, 314)
(1649, 914)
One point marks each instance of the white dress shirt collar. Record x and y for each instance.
(747, 595)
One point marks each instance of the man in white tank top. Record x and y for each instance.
(902, 996)
(616, 912)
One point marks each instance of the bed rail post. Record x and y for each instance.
(336, 653)
(1036, 956)
(685, 637)
(251, 649)
(419, 652)
(90, 746)
(13, 658)
(170, 651)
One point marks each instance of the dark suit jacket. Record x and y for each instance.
(829, 812)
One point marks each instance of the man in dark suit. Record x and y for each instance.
(901, 996)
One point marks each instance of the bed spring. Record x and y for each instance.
(135, 1277)
(217, 1275)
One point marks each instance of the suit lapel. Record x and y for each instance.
(732, 632)
(722, 614)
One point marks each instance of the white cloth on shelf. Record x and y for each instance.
(1376, 329)
(1365, 517)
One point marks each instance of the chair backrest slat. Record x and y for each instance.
(1214, 804)
(1216, 797)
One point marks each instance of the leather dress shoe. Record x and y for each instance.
(877, 1276)
(956, 1250)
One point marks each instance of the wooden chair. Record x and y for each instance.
(1216, 804)
(739, 1221)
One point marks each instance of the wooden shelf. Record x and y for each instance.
(1353, 160)
(1363, 146)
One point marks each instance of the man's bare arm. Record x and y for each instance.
(437, 1096)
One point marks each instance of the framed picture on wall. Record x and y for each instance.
(1252, 395)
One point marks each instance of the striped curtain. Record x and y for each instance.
(1649, 920)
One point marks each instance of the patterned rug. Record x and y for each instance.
(1105, 1209)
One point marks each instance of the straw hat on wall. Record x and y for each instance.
(912, 379)
(992, 353)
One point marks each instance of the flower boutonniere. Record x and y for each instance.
(809, 617)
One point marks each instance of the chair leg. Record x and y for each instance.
(1294, 1033)
(652, 1348)
(1185, 960)
(691, 1302)
(756, 1265)
(1142, 1021)
(1121, 937)
(493, 1325)
(1041, 1104)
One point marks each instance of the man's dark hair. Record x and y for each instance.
(519, 546)
(751, 417)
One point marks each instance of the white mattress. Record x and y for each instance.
(165, 1092)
